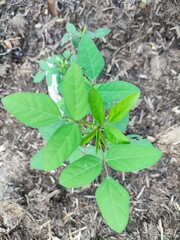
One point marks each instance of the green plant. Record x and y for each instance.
(85, 132)
(75, 36)
(57, 65)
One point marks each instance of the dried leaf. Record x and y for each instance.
(18, 24)
(8, 44)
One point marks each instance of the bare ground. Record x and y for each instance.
(143, 48)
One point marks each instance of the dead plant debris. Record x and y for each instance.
(143, 48)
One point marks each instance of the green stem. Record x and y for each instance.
(88, 125)
(68, 119)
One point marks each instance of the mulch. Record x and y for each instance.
(143, 48)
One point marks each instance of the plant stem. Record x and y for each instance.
(104, 162)
(52, 7)
(85, 124)
(68, 119)
(105, 166)
(88, 125)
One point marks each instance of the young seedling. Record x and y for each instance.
(85, 131)
(56, 66)
(75, 36)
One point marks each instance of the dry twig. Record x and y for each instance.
(52, 7)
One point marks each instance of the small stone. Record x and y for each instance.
(38, 25)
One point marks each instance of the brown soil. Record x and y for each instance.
(143, 48)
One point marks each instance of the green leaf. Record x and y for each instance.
(58, 78)
(55, 59)
(44, 65)
(60, 146)
(120, 125)
(49, 79)
(54, 70)
(90, 58)
(67, 54)
(39, 77)
(118, 111)
(75, 94)
(102, 138)
(60, 88)
(115, 136)
(64, 110)
(53, 73)
(73, 58)
(97, 106)
(36, 161)
(65, 39)
(70, 28)
(88, 86)
(90, 34)
(49, 130)
(80, 152)
(91, 150)
(34, 109)
(132, 157)
(88, 137)
(81, 172)
(101, 32)
(115, 91)
(76, 40)
(60, 103)
(113, 202)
